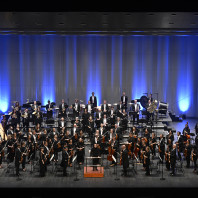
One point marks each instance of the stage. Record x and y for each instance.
(112, 175)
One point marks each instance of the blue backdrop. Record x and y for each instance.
(42, 67)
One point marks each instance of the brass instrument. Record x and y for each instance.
(152, 107)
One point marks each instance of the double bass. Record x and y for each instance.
(111, 152)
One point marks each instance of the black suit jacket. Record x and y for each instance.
(95, 101)
(47, 106)
(78, 107)
(65, 105)
(17, 156)
(133, 107)
(107, 107)
(86, 107)
(126, 100)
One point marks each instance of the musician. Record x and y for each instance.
(99, 116)
(105, 107)
(153, 143)
(187, 153)
(147, 160)
(34, 108)
(76, 108)
(38, 117)
(42, 163)
(85, 119)
(114, 145)
(194, 158)
(77, 122)
(120, 107)
(80, 151)
(10, 149)
(179, 144)
(46, 151)
(53, 133)
(23, 153)
(117, 131)
(95, 152)
(136, 111)
(89, 107)
(65, 158)
(124, 100)
(125, 160)
(147, 136)
(161, 146)
(150, 116)
(131, 141)
(62, 108)
(14, 119)
(74, 130)
(150, 97)
(10, 130)
(112, 115)
(170, 136)
(17, 159)
(55, 146)
(71, 151)
(96, 139)
(186, 129)
(81, 135)
(61, 123)
(26, 119)
(90, 127)
(135, 130)
(173, 159)
(105, 122)
(75, 139)
(49, 108)
(93, 100)
(167, 158)
(110, 134)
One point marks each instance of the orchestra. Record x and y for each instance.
(104, 129)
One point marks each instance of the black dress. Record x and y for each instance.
(80, 152)
(42, 164)
(95, 152)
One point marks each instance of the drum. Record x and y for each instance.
(144, 101)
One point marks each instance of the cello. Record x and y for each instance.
(111, 152)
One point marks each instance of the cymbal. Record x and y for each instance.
(130, 103)
(115, 104)
(109, 105)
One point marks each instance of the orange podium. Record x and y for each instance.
(89, 172)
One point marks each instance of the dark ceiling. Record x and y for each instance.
(99, 22)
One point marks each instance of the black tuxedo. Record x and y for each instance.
(126, 101)
(102, 108)
(73, 131)
(76, 111)
(61, 112)
(86, 107)
(61, 124)
(94, 103)
(49, 112)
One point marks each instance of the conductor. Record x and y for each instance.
(95, 152)
(125, 160)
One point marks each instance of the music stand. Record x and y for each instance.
(115, 167)
(162, 178)
(75, 172)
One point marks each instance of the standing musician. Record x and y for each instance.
(149, 115)
(124, 100)
(99, 116)
(65, 158)
(187, 153)
(17, 159)
(170, 136)
(93, 100)
(131, 143)
(26, 119)
(85, 120)
(153, 143)
(14, 119)
(95, 152)
(46, 151)
(55, 147)
(194, 158)
(74, 130)
(179, 144)
(167, 158)
(62, 108)
(186, 129)
(24, 151)
(38, 117)
(173, 159)
(120, 107)
(136, 111)
(42, 163)
(146, 136)
(76, 108)
(80, 151)
(49, 108)
(114, 146)
(147, 160)
(10, 149)
(161, 147)
(34, 108)
(124, 160)
(71, 151)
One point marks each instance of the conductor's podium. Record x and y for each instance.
(88, 169)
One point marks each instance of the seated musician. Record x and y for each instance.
(90, 127)
(136, 111)
(120, 107)
(105, 122)
(85, 120)
(77, 122)
(99, 116)
(115, 146)
(89, 107)
(105, 107)
(62, 108)
(112, 115)
(38, 117)
(26, 119)
(61, 123)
